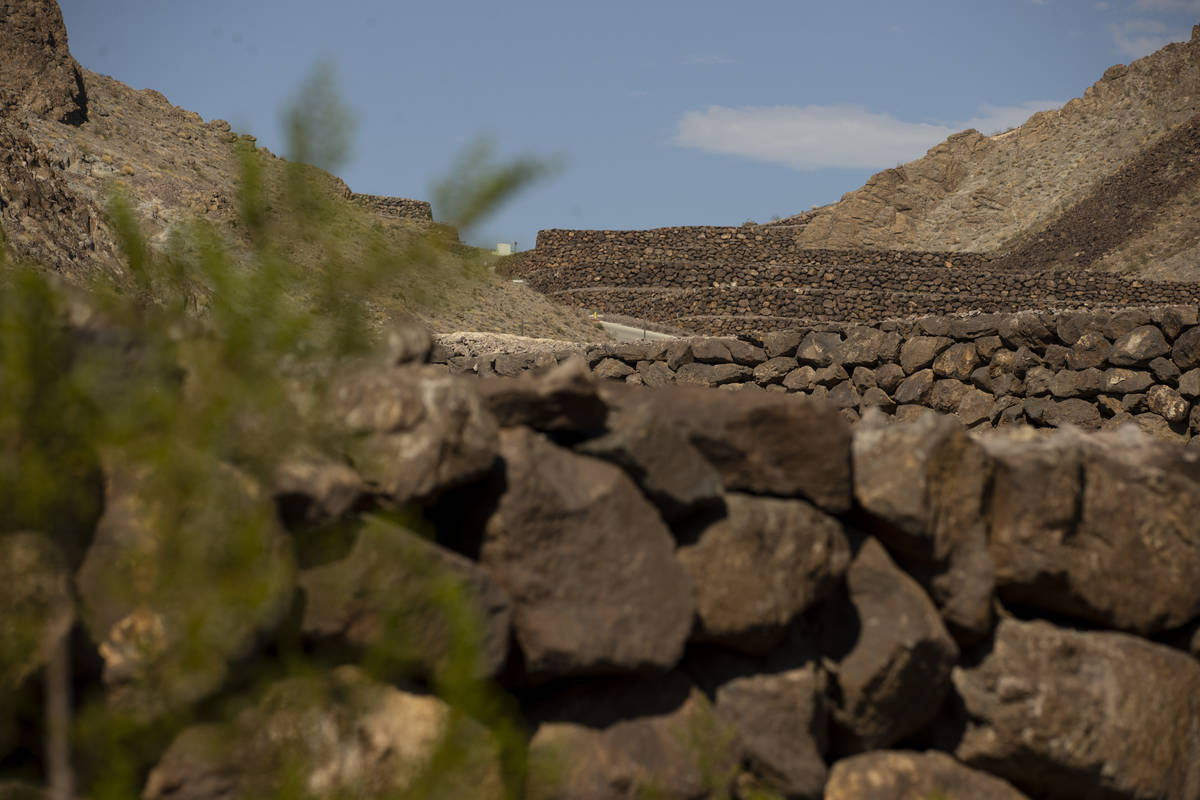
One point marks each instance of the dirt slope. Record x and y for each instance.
(980, 193)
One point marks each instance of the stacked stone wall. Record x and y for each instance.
(394, 207)
(1094, 369)
(739, 280)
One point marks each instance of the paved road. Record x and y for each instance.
(625, 333)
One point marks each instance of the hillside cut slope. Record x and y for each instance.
(979, 193)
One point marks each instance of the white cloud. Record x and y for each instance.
(1141, 37)
(810, 137)
(1169, 6)
(707, 59)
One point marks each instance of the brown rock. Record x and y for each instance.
(37, 605)
(696, 374)
(892, 668)
(1025, 328)
(731, 373)
(38, 74)
(669, 470)
(1090, 350)
(655, 374)
(803, 379)
(1186, 351)
(1168, 403)
(844, 396)
(915, 389)
(1069, 714)
(1189, 384)
(780, 719)
(957, 361)
(903, 775)
(417, 433)
(863, 346)
(587, 562)
(1125, 381)
(310, 489)
(816, 349)
(739, 435)
(1101, 528)
(1165, 371)
(918, 352)
(946, 395)
(927, 481)
(611, 740)
(1138, 347)
(710, 351)
(774, 370)
(889, 376)
(761, 566)
(781, 343)
(383, 596)
(612, 369)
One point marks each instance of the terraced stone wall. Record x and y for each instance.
(395, 207)
(723, 281)
(1094, 369)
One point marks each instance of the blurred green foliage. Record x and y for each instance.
(190, 377)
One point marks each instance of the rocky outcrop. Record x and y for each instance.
(38, 74)
(975, 192)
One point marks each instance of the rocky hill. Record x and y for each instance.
(70, 137)
(979, 193)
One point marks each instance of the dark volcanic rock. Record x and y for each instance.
(893, 667)
(609, 740)
(904, 775)
(760, 567)
(1067, 714)
(1138, 347)
(1186, 351)
(781, 721)
(927, 481)
(763, 444)
(1090, 350)
(1103, 529)
(816, 349)
(669, 470)
(588, 563)
(564, 398)
(957, 361)
(918, 352)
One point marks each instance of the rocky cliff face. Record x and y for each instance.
(975, 192)
(38, 74)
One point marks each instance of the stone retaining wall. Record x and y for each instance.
(394, 207)
(1094, 369)
(682, 593)
(732, 280)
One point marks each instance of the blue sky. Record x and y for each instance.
(660, 113)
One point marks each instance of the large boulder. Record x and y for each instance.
(589, 564)
(1062, 713)
(905, 775)
(767, 444)
(564, 398)
(38, 74)
(759, 567)
(414, 432)
(668, 469)
(182, 578)
(891, 653)
(1100, 527)
(619, 740)
(925, 482)
(330, 736)
(397, 595)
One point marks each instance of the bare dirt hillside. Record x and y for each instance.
(974, 192)
(69, 138)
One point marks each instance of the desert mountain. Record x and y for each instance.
(1121, 146)
(70, 137)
